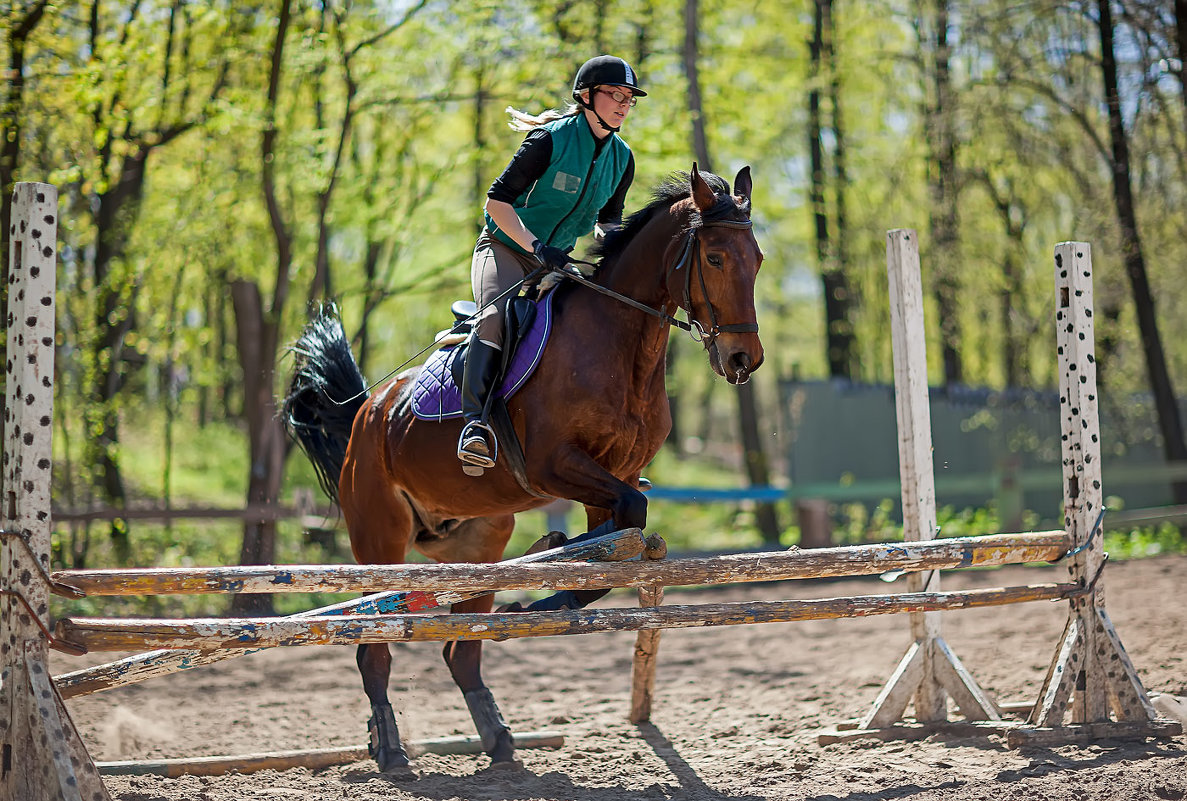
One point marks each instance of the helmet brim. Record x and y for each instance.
(634, 89)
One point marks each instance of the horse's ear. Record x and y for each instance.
(702, 195)
(742, 183)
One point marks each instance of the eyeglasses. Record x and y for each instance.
(620, 97)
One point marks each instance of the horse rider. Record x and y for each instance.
(568, 178)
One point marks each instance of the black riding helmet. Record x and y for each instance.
(605, 71)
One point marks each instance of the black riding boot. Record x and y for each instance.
(477, 445)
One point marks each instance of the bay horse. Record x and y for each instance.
(590, 419)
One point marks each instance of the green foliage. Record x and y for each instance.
(1140, 541)
(184, 87)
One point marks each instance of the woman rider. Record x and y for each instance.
(569, 177)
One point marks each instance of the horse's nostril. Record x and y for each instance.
(740, 361)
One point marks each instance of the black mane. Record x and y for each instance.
(676, 187)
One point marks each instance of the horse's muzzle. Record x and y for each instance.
(734, 361)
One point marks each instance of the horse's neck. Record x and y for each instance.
(639, 273)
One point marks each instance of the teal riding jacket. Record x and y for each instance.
(563, 204)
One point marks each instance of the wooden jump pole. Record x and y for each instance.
(1090, 670)
(930, 670)
(310, 758)
(100, 634)
(854, 560)
(615, 546)
(43, 756)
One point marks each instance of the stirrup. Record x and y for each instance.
(476, 429)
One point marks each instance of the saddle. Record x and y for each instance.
(435, 392)
(517, 326)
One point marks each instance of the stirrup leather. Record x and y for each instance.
(473, 429)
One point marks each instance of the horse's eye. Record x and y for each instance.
(715, 259)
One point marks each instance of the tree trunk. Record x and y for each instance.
(838, 330)
(257, 356)
(845, 292)
(942, 180)
(11, 106)
(1181, 39)
(257, 337)
(1012, 343)
(700, 143)
(480, 181)
(755, 457)
(119, 207)
(1169, 421)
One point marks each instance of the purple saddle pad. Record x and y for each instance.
(436, 397)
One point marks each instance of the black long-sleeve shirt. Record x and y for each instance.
(531, 161)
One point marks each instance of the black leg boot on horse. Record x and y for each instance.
(477, 446)
(384, 746)
(565, 599)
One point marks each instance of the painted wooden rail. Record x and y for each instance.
(615, 546)
(856, 560)
(107, 634)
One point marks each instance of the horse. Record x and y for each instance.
(591, 417)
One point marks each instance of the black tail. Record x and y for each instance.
(326, 392)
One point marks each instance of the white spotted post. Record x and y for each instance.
(42, 756)
(1090, 670)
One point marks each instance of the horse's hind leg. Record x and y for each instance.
(375, 664)
(464, 658)
(380, 523)
(478, 540)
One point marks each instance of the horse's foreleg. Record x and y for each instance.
(573, 474)
(610, 505)
(464, 658)
(598, 522)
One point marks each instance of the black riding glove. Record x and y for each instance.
(551, 257)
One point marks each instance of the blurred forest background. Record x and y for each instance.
(224, 164)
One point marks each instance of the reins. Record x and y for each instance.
(690, 252)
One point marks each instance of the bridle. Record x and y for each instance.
(689, 260)
(691, 252)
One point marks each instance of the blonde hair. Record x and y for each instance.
(523, 122)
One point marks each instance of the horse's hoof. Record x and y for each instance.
(502, 752)
(553, 539)
(395, 764)
(507, 766)
(402, 773)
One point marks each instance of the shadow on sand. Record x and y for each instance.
(502, 784)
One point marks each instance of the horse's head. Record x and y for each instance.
(714, 279)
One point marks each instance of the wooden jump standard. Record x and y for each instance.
(1090, 657)
(43, 756)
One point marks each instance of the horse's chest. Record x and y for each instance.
(633, 435)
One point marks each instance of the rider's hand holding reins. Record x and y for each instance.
(551, 257)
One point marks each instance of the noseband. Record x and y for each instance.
(690, 251)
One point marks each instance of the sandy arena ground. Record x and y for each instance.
(736, 712)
